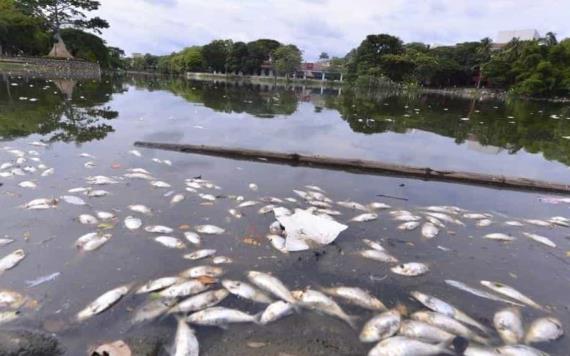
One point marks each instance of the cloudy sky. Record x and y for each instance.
(334, 26)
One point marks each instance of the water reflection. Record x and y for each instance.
(61, 110)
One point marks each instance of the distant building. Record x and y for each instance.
(504, 37)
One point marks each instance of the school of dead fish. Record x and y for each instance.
(193, 296)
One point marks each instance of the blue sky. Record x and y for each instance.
(334, 26)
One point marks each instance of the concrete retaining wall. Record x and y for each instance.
(50, 67)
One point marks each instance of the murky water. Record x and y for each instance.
(105, 118)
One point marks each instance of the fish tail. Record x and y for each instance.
(352, 320)
(257, 318)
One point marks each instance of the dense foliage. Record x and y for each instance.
(534, 68)
(29, 27)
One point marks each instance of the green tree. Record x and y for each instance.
(86, 46)
(286, 59)
(368, 57)
(20, 33)
(57, 14)
(259, 51)
(215, 55)
(324, 55)
(237, 59)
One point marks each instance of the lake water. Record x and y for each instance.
(104, 119)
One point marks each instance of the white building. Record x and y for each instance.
(523, 35)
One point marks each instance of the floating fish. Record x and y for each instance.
(381, 326)
(47, 172)
(538, 222)
(320, 302)
(170, 242)
(278, 242)
(235, 213)
(373, 245)
(132, 223)
(352, 205)
(404, 346)
(159, 229)
(511, 293)
(519, 350)
(266, 209)
(158, 284)
(104, 215)
(41, 280)
(429, 230)
(538, 238)
(176, 199)
(365, 217)
(100, 180)
(185, 341)
(447, 324)
(220, 316)
(152, 310)
(246, 291)
(419, 330)
(248, 203)
(276, 311)
(410, 225)
(199, 271)
(11, 260)
(508, 323)
(356, 296)
(7, 316)
(87, 219)
(92, 241)
(192, 237)
(27, 184)
(484, 222)
(139, 208)
(5, 241)
(378, 255)
(378, 206)
(160, 184)
(73, 200)
(200, 254)
(271, 285)
(478, 292)
(218, 260)
(184, 289)
(253, 187)
(209, 229)
(135, 153)
(102, 303)
(97, 193)
(544, 329)
(200, 301)
(499, 236)
(410, 269)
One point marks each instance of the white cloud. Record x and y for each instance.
(335, 26)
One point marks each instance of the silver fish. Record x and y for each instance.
(410, 225)
(170, 242)
(100, 180)
(87, 219)
(135, 153)
(276, 311)
(381, 326)
(184, 289)
(499, 236)
(352, 205)
(266, 209)
(373, 245)
(208, 197)
(220, 316)
(102, 303)
(474, 350)
(4, 241)
(377, 255)
(11, 260)
(158, 284)
(253, 187)
(429, 230)
(508, 323)
(484, 222)
(185, 341)
(27, 184)
(513, 223)
(245, 291)
(519, 350)
(132, 223)
(192, 237)
(104, 215)
(318, 301)
(159, 184)
(91, 242)
(248, 203)
(538, 222)
(271, 285)
(139, 208)
(442, 307)
(41, 280)
(410, 269)
(97, 193)
(198, 271)
(404, 346)
(446, 218)
(221, 260)
(478, 292)
(235, 213)
(200, 301)
(152, 310)
(476, 216)
(447, 324)
(47, 172)
(365, 217)
(209, 229)
(378, 206)
(278, 243)
(199, 254)
(538, 238)
(73, 200)
(8, 316)
(544, 329)
(158, 229)
(356, 296)
(424, 332)
(511, 293)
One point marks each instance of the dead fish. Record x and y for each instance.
(86, 155)
(476, 216)
(158, 229)
(199, 271)
(329, 212)
(200, 301)
(138, 170)
(442, 307)
(278, 243)
(41, 203)
(519, 350)
(100, 180)
(170, 242)
(356, 296)
(410, 269)
(253, 187)
(276, 311)
(499, 236)
(176, 199)
(221, 316)
(27, 184)
(508, 323)
(446, 218)
(132, 223)
(478, 292)
(409, 226)
(544, 329)
(92, 241)
(272, 285)
(8, 316)
(320, 302)
(73, 200)
(404, 346)
(378, 206)
(538, 238)
(453, 210)
(484, 222)
(407, 217)
(78, 190)
(97, 193)
(511, 293)
(419, 330)
(185, 341)
(429, 230)
(158, 284)
(87, 219)
(103, 302)
(246, 291)
(135, 153)
(11, 260)
(275, 228)
(352, 205)
(235, 213)
(448, 324)
(218, 260)
(209, 229)
(104, 215)
(476, 350)
(373, 245)
(365, 217)
(184, 289)
(560, 220)
(266, 209)
(139, 208)
(192, 237)
(89, 164)
(4, 241)
(377, 255)
(199, 254)
(208, 197)
(248, 203)
(513, 223)
(138, 176)
(381, 326)
(152, 310)
(159, 184)
(538, 222)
